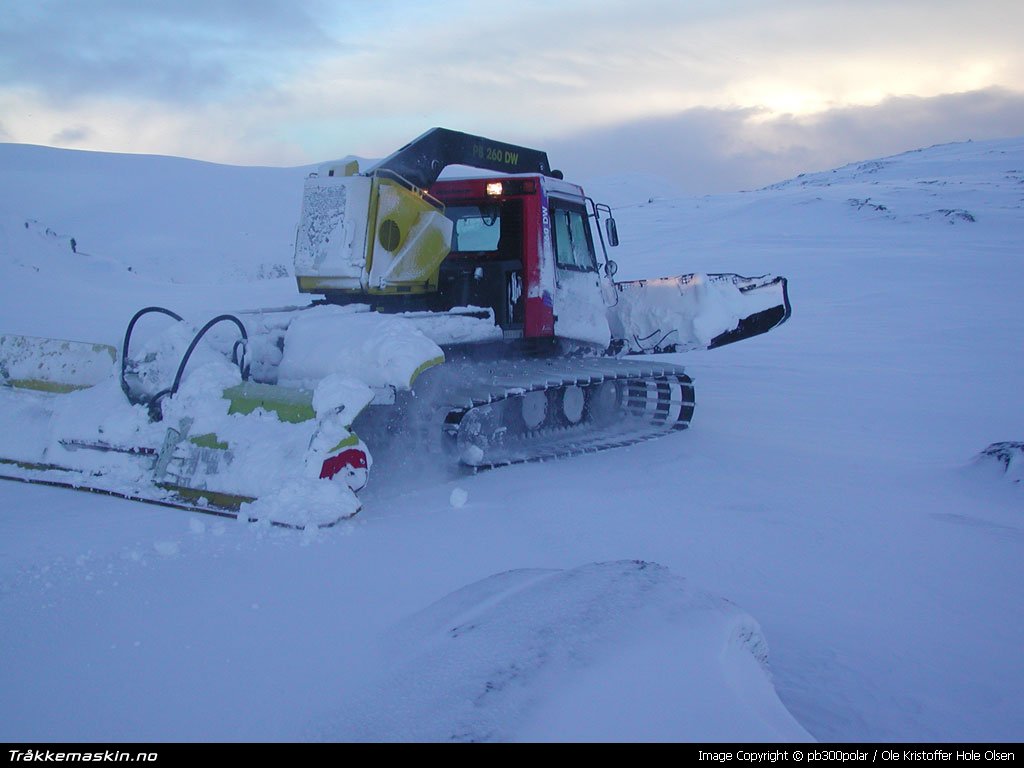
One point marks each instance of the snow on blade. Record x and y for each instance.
(687, 312)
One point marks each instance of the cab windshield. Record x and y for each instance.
(489, 228)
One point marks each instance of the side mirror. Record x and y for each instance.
(611, 231)
(610, 268)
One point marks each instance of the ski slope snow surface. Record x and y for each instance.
(818, 556)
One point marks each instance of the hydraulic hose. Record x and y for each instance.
(238, 357)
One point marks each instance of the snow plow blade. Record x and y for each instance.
(697, 311)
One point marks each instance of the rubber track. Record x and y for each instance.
(657, 399)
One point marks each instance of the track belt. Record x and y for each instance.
(534, 410)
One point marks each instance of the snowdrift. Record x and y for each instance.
(618, 651)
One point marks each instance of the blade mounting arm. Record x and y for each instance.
(422, 159)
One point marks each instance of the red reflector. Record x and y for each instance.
(352, 457)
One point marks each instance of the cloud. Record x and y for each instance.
(533, 71)
(369, 71)
(76, 135)
(902, 123)
(725, 95)
(213, 132)
(718, 150)
(185, 51)
(562, 67)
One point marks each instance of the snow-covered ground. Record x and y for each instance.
(822, 516)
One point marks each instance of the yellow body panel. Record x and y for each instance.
(410, 239)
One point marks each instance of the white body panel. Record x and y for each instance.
(331, 240)
(580, 311)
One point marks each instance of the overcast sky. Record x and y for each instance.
(717, 94)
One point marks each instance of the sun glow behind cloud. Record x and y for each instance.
(862, 83)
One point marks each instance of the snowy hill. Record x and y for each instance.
(139, 222)
(155, 214)
(826, 490)
(909, 200)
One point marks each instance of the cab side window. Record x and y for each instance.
(574, 246)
